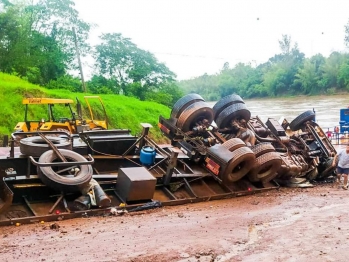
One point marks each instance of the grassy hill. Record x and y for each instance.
(123, 112)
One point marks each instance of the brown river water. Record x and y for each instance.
(326, 108)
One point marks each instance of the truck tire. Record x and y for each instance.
(65, 182)
(300, 120)
(224, 103)
(35, 146)
(183, 103)
(262, 148)
(235, 111)
(233, 143)
(193, 114)
(241, 163)
(265, 167)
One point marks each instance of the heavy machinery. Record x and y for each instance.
(215, 153)
(60, 116)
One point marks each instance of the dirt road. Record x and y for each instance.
(281, 225)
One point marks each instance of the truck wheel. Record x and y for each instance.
(300, 120)
(60, 179)
(241, 163)
(233, 143)
(35, 146)
(262, 148)
(183, 103)
(235, 111)
(224, 103)
(194, 114)
(265, 167)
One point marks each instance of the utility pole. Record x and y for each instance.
(79, 61)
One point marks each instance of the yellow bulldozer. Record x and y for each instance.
(60, 116)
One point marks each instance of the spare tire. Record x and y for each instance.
(60, 179)
(224, 103)
(193, 114)
(235, 111)
(299, 121)
(183, 103)
(35, 146)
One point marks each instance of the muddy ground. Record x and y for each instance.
(310, 224)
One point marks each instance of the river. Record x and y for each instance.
(326, 108)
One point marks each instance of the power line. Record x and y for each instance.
(197, 56)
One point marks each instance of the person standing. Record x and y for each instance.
(343, 165)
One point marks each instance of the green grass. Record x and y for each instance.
(123, 112)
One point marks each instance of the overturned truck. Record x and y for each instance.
(234, 145)
(213, 153)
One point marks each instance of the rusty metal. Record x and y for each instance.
(52, 146)
(171, 165)
(56, 203)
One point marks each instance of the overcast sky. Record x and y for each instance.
(194, 37)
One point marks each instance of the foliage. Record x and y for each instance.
(37, 39)
(68, 82)
(134, 71)
(286, 73)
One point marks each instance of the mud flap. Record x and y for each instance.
(6, 195)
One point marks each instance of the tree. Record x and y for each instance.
(56, 19)
(36, 39)
(307, 77)
(136, 71)
(286, 63)
(330, 70)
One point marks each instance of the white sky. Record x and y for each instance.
(194, 37)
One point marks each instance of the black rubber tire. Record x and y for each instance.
(262, 148)
(193, 114)
(241, 163)
(35, 146)
(66, 184)
(299, 121)
(183, 103)
(233, 143)
(224, 103)
(265, 167)
(235, 111)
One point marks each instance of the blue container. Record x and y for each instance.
(147, 156)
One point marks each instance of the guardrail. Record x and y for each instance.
(338, 138)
